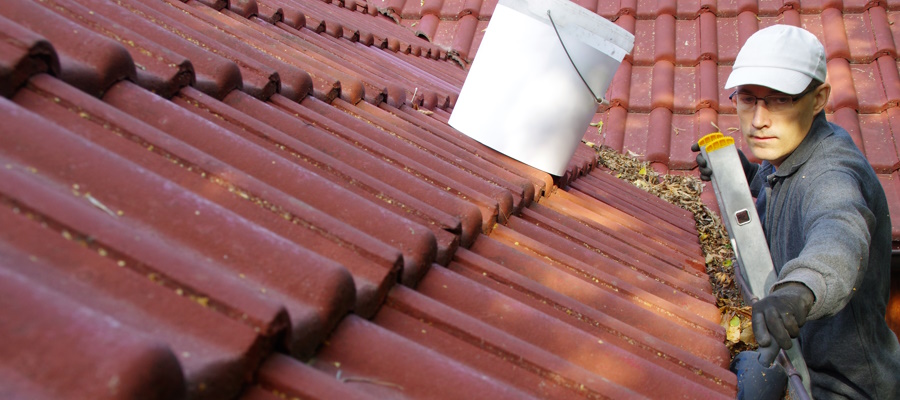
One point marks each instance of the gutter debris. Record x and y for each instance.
(684, 192)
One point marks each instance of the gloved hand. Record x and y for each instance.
(778, 317)
(702, 165)
(706, 171)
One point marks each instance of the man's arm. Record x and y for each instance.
(836, 225)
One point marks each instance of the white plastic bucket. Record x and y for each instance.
(523, 96)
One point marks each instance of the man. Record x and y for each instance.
(826, 221)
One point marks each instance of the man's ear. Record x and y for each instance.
(821, 97)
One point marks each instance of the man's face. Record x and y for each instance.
(774, 135)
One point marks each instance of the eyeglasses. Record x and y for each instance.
(774, 103)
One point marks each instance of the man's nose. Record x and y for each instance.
(760, 114)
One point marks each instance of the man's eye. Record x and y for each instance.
(747, 99)
(779, 100)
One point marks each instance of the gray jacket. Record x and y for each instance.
(826, 219)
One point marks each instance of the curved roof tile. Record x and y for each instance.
(266, 200)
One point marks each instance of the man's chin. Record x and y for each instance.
(760, 154)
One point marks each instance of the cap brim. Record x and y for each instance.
(780, 79)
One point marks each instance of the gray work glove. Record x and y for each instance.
(706, 171)
(778, 317)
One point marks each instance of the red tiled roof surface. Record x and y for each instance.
(263, 200)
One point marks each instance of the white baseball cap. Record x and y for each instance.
(781, 57)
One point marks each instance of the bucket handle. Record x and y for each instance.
(558, 36)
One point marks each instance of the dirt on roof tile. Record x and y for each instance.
(185, 217)
(518, 320)
(159, 69)
(410, 196)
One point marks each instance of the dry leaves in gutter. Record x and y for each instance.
(684, 191)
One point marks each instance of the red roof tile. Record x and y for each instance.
(25, 53)
(40, 313)
(258, 199)
(92, 72)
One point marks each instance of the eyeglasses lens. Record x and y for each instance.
(774, 103)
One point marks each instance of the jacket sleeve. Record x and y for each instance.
(837, 226)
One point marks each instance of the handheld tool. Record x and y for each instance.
(755, 273)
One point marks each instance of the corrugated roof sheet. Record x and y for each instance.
(263, 199)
